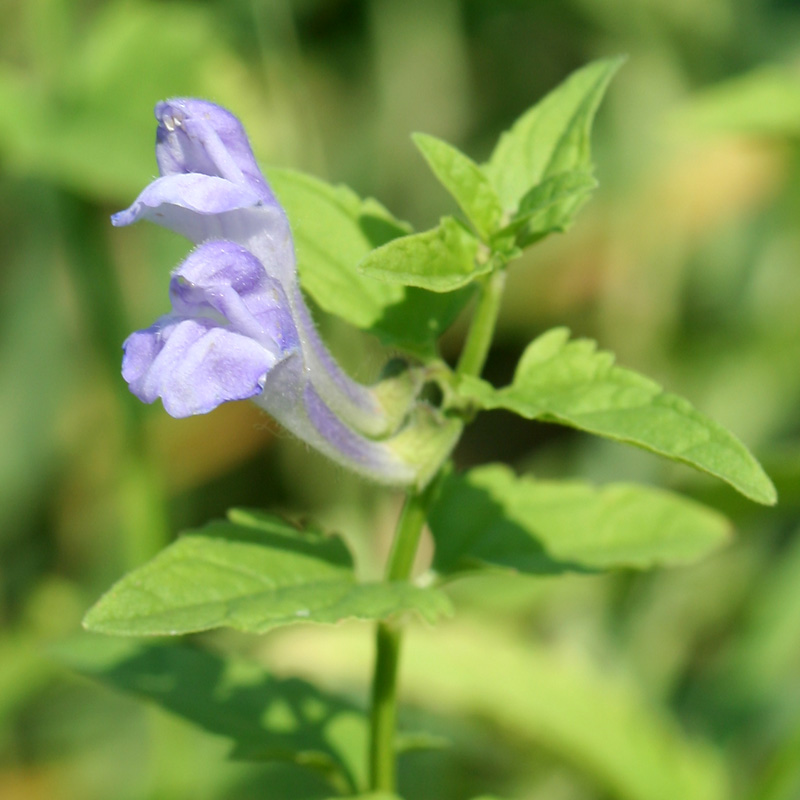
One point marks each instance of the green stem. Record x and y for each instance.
(384, 708)
(479, 338)
(388, 637)
(387, 646)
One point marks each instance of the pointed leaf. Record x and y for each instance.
(490, 517)
(465, 180)
(266, 718)
(549, 207)
(440, 260)
(253, 574)
(571, 383)
(333, 230)
(551, 137)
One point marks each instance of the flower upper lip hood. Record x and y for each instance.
(239, 326)
(199, 136)
(211, 188)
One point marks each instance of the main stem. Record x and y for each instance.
(401, 559)
(387, 648)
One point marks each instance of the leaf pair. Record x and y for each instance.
(256, 572)
(534, 183)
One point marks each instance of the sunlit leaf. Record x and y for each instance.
(253, 574)
(572, 383)
(551, 137)
(489, 517)
(465, 181)
(440, 260)
(549, 207)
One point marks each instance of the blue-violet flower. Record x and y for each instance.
(239, 326)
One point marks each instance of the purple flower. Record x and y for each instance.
(239, 326)
(230, 325)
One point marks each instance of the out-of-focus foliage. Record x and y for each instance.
(676, 683)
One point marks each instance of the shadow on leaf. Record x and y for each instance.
(266, 718)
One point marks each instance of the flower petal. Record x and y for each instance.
(226, 278)
(199, 136)
(189, 192)
(193, 365)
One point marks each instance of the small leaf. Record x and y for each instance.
(549, 207)
(266, 718)
(571, 383)
(440, 260)
(333, 230)
(551, 137)
(465, 180)
(490, 517)
(253, 575)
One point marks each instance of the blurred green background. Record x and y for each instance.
(686, 263)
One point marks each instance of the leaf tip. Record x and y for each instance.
(766, 494)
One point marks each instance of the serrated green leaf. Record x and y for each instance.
(333, 231)
(572, 383)
(465, 181)
(266, 718)
(551, 137)
(549, 207)
(489, 517)
(252, 575)
(439, 260)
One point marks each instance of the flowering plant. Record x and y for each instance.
(240, 329)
